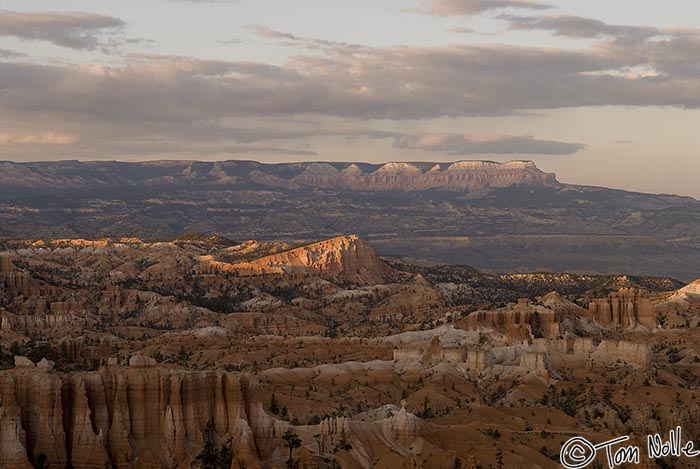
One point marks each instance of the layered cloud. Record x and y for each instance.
(392, 83)
(74, 30)
(303, 42)
(442, 143)
(460, 30)
(474, 7)
(43, 138)
(579, 27)
(162, 104)
(461, 144)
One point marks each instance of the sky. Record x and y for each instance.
(600, 92)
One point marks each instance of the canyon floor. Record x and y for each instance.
(200, 350)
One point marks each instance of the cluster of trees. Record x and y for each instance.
(216, 455)
(213, 454)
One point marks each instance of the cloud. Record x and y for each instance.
(175, 105)
(171, 105)
(44, 138)
(475, 7)
(578, 27)
(231, 42)
(10, 54)
(75, 30)
(447, 143)
(391, 83)
(461, 144)
(141, 41)
(266, 31)
(460, 30)
(664, 53)
(87, 140)
(292, 40)
(148, 147)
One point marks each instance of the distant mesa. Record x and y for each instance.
(502, 216)
(400, 176)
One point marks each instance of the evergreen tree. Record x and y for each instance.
(291, 441)
(274, 405)
(212, 455)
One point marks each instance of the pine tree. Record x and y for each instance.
(291, 441)
(212, 455)
(274, 405)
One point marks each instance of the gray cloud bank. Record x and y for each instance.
(393, 83)
(578, 27)
(75, 30)
(172, 96)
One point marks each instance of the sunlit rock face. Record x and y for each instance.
(462, 175)
(343, 258)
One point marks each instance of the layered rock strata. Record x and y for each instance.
(343, 258)
(627, 308)
(461, 175)
(143, 416)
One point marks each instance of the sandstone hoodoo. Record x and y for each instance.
(10, 278)
(626, 308)
(149, 417)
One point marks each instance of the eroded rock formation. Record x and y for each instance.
(10, 277)
(626, 308)
(343, 258)
(143, 416)
(522, 320)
